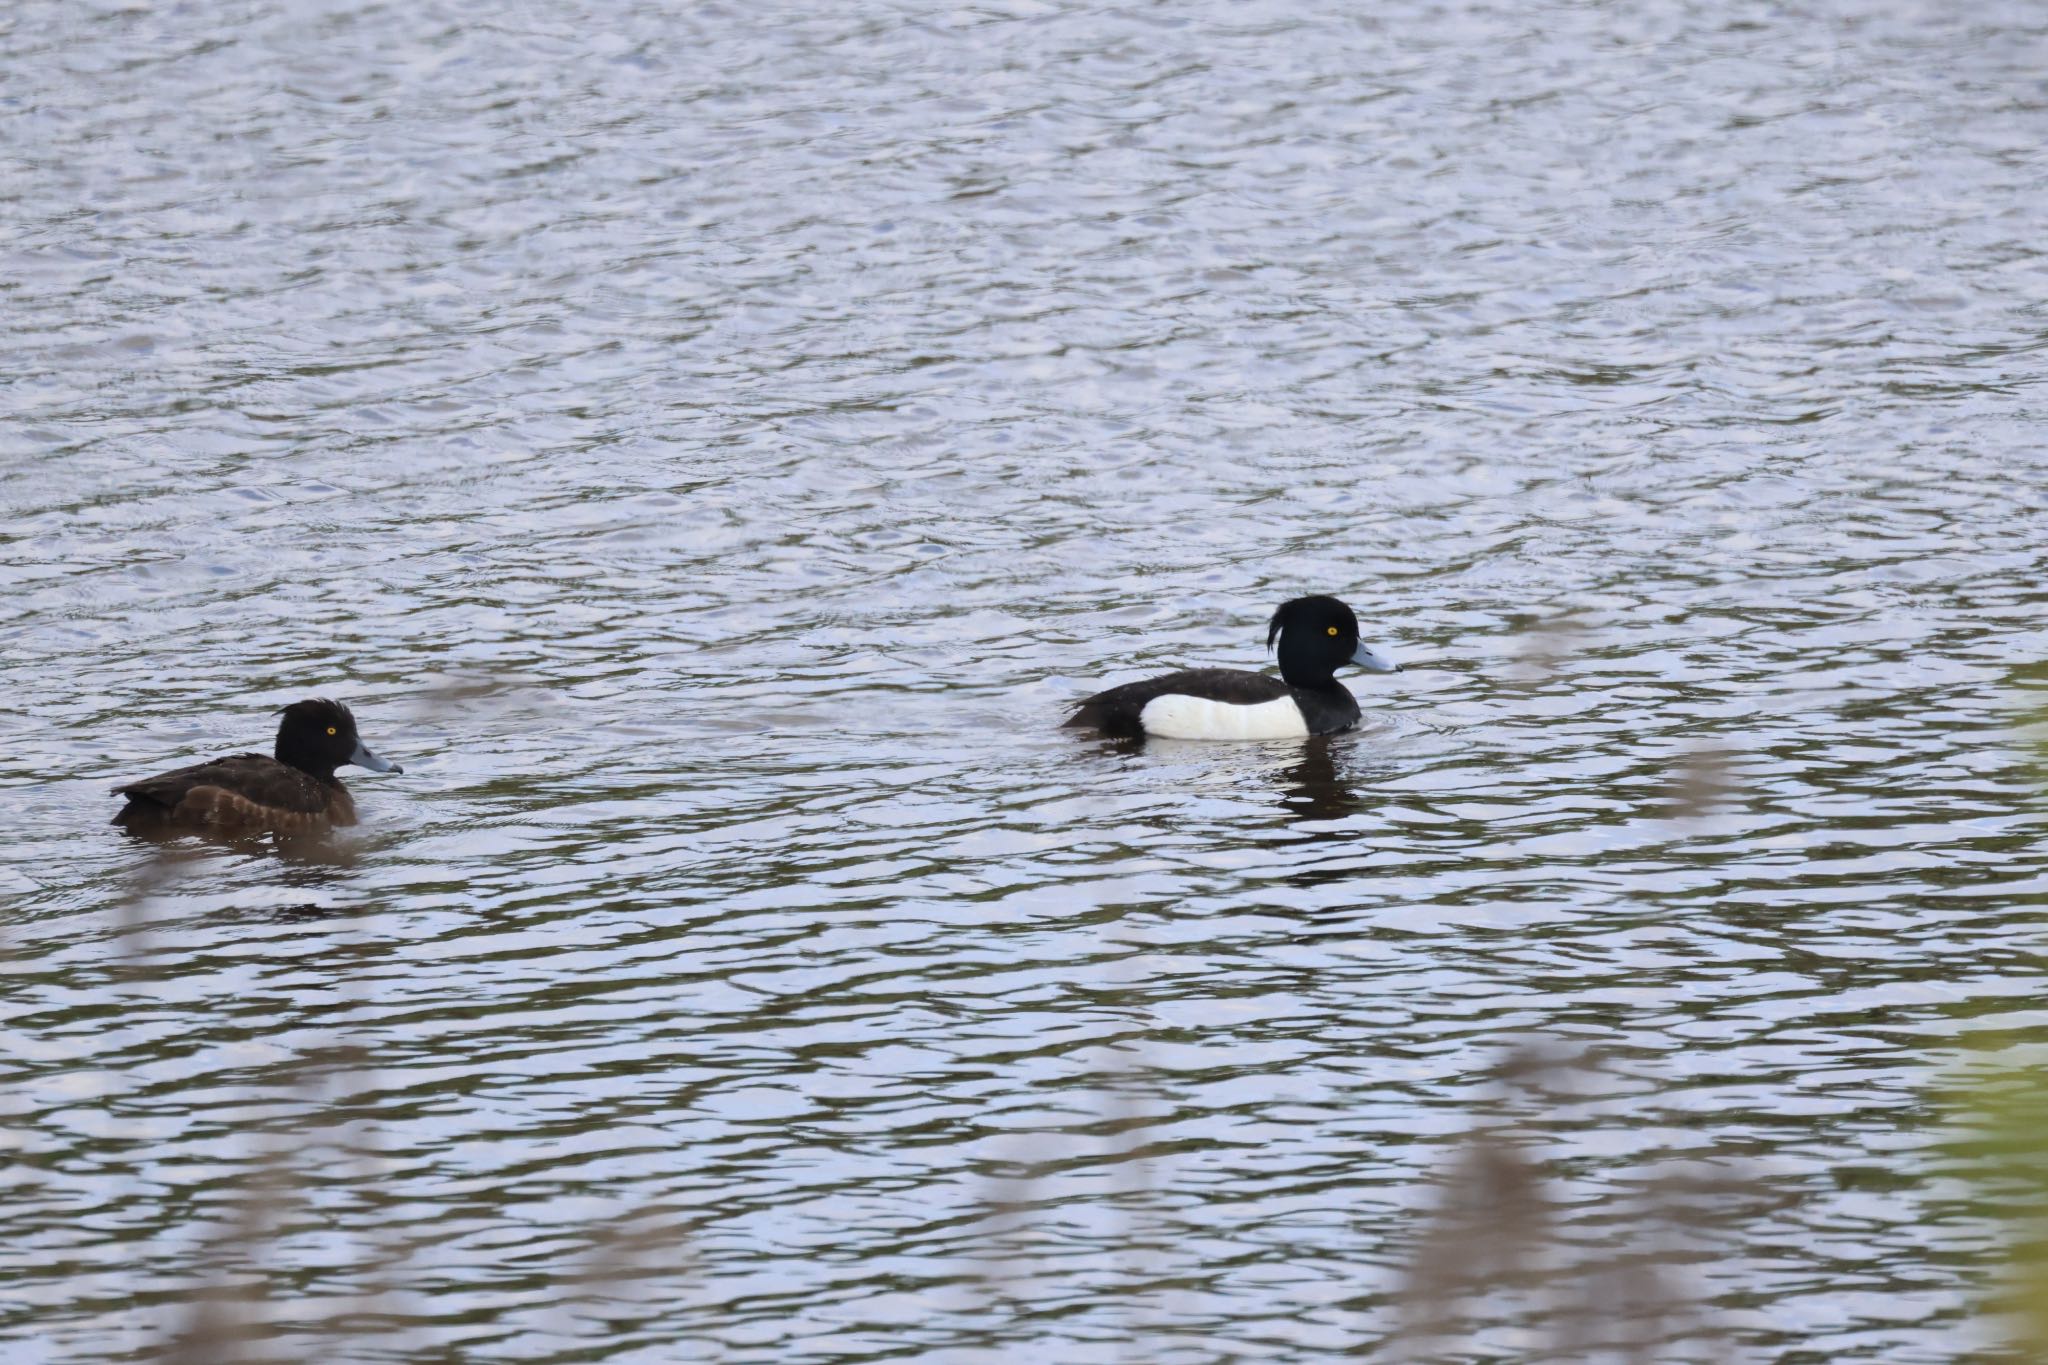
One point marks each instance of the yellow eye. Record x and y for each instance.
(1333, 631)
(330, 729)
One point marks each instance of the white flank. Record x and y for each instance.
(1174, 716)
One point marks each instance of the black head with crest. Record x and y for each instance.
(1317, 636)
(318, 736)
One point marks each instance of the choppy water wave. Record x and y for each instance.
(710, 450)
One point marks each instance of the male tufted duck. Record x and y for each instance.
(1317, 636)
(293, 793)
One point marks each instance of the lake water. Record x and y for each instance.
(710, 447)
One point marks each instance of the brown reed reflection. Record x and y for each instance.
(1510, 1242)
(250, 1302)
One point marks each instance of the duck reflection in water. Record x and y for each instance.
(311, 877)
(1316, 801)
(1314, 790)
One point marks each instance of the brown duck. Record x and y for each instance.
(294, 793)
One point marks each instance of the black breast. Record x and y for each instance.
(1117, 711)
(1327, 710)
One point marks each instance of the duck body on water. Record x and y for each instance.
(294, 789)
(294, 792)
(1315, 636)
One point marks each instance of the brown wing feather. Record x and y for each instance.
(249, 791)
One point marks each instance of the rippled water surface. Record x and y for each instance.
(711, 445)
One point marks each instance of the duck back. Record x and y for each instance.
(1121, 710)
(250, 792)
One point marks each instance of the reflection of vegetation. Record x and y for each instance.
(258, 1297)
(1510, 1264)
(1997, 1147)
(2032, 680)
(1997, 1152)
(263, 1299)
(1512, 1261)
(1510, 1254)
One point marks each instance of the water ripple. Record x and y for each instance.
(710, 450)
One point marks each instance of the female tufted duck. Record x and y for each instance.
(1317, 636)
(293, 793)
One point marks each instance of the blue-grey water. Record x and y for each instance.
(711, 445)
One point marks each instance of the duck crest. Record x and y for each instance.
(293, 791)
